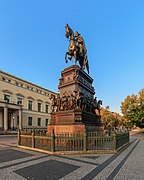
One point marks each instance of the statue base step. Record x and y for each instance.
(73, 129)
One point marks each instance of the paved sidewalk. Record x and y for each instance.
(12, 132)
(20, 164)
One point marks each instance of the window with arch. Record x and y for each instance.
(46, 122)
(39, 107)
(30, 121)
(39, 121)
(19, 100)
(46, 108)
(7, 97)
(30, 105)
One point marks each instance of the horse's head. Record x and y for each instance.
(100, 102)
(68, 31)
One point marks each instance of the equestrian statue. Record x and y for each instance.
(76, 48)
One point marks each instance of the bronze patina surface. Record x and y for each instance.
(76, 48)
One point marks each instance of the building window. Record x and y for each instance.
(16, 83)
(30, 105)
(19, 101)
(3, 78)
(46, 108)
(30, 121)
(7, 98)
(46, 122)
(9, 81)
(39, 107)
(39, 121)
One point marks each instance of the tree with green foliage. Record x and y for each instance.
(133, 109)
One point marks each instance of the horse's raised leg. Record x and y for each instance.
(70, 56)
(66, 57)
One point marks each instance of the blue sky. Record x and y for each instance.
(33, 43)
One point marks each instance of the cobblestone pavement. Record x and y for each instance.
(21, 164)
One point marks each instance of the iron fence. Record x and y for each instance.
(72, 142)
(121, 139)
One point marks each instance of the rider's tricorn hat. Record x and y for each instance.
(77, 34)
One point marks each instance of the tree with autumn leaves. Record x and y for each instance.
(132, 109)
(111, 120)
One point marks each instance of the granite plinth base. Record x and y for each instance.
(72, 129)
(74, 121)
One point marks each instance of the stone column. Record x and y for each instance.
(20, 119)
(5, 118)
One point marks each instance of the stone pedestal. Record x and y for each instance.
(74, 78)
(74, 121)
(75, 104)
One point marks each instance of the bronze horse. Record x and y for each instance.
(74, 50)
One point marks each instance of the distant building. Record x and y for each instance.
(23, 104)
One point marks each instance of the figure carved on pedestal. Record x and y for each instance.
(77, 48)
(64, 102)
(58, 102)
(70, 101)
(98, 105)
(54, 103)
(75, 75)
(78, 96)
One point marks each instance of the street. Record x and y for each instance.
(16, 163)
(8, 140)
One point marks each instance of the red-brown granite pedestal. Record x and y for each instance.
(74, 118)
(74, 121)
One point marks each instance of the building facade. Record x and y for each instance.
(23, 104)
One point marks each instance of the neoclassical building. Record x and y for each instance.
(23, 104)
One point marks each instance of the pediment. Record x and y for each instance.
(30, 97)
(46, 102)
(7, 91)
(19, 94)
(39, 100)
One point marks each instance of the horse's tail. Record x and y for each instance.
(86, 62)
(87, 66)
